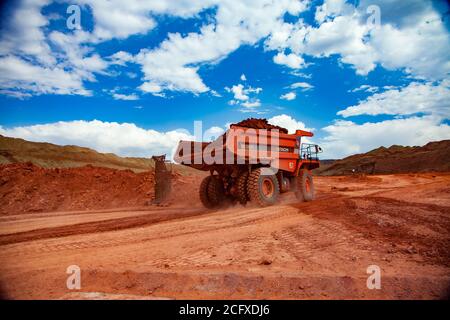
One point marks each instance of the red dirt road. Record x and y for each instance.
(319, 249)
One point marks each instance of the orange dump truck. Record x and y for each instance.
(248, 164)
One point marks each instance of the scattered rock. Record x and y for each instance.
(265, 262)
(410, 250)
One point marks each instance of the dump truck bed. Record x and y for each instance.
(241, 145)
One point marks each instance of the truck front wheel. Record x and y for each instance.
(263, 189)
(305, 186)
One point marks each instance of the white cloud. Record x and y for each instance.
(131, 75)
(174, 64)
(119, 19)
(77, 57)
(279, 36)
(251, 105)
(124, 139)
(28, 66)
(253, 90)
(289, 96)
(288, 122)
(15, 94)
(332, 8)
(421, 50)
(344, 36)
(242, 93)
(291, 60)
(430, 100)
(69, 55)
(23, 35)
(243, 77)
(346, 137)
(168, 65)
(239, 92)
(128, 97)
(301, 74)
(365, 88)
(213, 133)
(417, 97)
(22, 78)
(121, 58)
(417, 41)
(150, 87)
(214, 93)
(35, 63)
(245, 97)
(303, 85)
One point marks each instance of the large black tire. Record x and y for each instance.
(216, 191)
(263, 189)
(211, 192)
(204, 197)
(242, 190)
(305, 186)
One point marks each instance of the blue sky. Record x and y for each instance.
(134, 74)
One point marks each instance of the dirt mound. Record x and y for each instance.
(433, 157)
(47, 155)
(25, 187)
(256, 123)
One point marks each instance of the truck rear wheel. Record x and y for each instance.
(263, 189)
(305, 186)
(211, 192)
(204, 198)
(216, 192)
(242, 191)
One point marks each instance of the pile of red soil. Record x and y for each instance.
(25, 187)
(256, 123)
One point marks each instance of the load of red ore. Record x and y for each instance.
(256, 123)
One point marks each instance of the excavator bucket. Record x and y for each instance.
(163, 179)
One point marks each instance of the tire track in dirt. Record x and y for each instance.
(205, 221)
(391, 224)
(98, 226)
